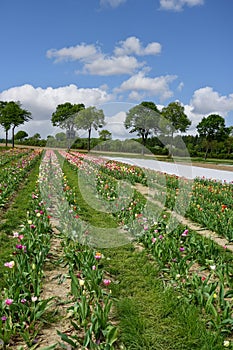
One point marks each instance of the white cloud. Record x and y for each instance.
(97, 63)
(113, 66)
(174, 5)
(43, 102)
(112, 3)
(74, 53)
(152, 49)
(180, 86)
(158, 86)
(194, 117)
(116, 126)
(136, 96)
(132, 45)
(206, 101)
(178, 5)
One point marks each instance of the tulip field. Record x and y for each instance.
(96, 264)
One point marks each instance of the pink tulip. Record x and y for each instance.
(184, 234)
(106, 282)
(10, 264)
(9, 301)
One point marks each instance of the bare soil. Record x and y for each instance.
(225, 167)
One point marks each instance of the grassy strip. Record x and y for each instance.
(87, 213)
(14, 216)
(149, 316)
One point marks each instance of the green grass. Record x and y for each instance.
(149, 316)
(103, 227)
(87, 212)
(14, 216)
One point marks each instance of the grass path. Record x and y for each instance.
(149, 316)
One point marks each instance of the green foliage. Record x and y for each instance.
(11, 114)
(89, 118)
(105, 135)
(151, 317)
(143, 119)
(88, 213)
(177, 119)
(17, 212)
(20, 135)
(174, 120)
(212, 129)
(64, 115)
(60, 136)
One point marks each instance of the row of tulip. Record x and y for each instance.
(199, 270)
(121, 171)
(116, 196)
(12, 175)
(207, 202)
(212, 206)
(11, 155)
(22, 305)
(91, 303)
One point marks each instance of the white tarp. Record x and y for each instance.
(187, 171)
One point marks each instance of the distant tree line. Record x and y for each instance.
(159, 132)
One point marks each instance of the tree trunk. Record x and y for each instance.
(13, 137)
(89, 140)
(144, 139)
(6, 138)
(171, 146)
(206, 152)
(143, 143)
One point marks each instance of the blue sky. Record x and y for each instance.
(116, 53)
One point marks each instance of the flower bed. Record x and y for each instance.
(22, 307)
(91, 303)
(194, 266)
(196, 269)
(12, 175)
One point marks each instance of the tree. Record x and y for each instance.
(5, 121)
(64, 118)
(212, 128)
(60, 136)
(36, 136)
(175, 120)
(51, 141)
(64, 115)
(105, 135)
(13, 115)
(19, 116)
(89, 118)
(20, 135)
(144, 119)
